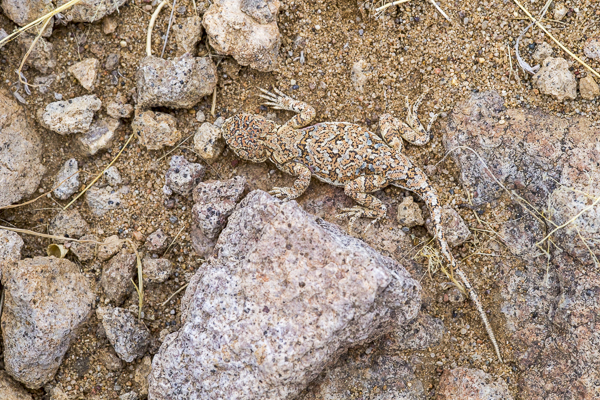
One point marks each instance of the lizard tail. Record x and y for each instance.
(431, 199)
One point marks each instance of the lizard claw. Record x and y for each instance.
(281, 193)
(354, 213)
(275, 100)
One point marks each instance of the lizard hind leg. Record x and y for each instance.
(370, 206)
(281, 101)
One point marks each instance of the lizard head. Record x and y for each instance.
(244, 134)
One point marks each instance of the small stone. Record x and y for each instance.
(140, 376)
(11, 389)
(68, 223)
(41, 56)
(156, 129)
(178, 83)
(183, 176)
(542, 51)
(117, 274)
(123, 43)
(137, 235)
(23, 12)
(409, 213)
(70, 116)
(471, 384)
(109, 25)
(110, 359)
(46, 300)
(102, 200)
(112, 62)
(560, 11)
(208, 142)
(56, 393)
(588, 88)
(455, 229)
(555, 79)
(455, 296)
(84, 251)
(129, 396)
(156, 270)
(90, 10)
(202, 244)
(111, 246)
(157, 242)
(129, 337)
(86, 72)
(358, 76)
(200, 117)
(113, 176)
(10, 248)
(69, 177)
(187, 34)
(591, 49)
(118, 108)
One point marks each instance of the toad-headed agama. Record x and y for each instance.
(343, 154)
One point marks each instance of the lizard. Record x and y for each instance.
(346, 155)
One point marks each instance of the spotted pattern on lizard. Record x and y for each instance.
(346, 155)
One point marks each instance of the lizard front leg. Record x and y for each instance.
(281, 101)
(372, 207)
(300, 184)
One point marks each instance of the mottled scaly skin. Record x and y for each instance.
(346, 155)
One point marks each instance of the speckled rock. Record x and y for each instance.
(409, 213)
(373, 377)
(86, 72)
(283, 298)
(111, 246)
(140, 375)
(23, 12)
(112, 176)
(110, 359)
(117, 274)
(156, 130)
(102, 200)
(129, 396)
(69, 177)
(455, 229)
(12, 390)
(215, 201)
(179, 83)
(156, 270)
(99, 136)
(157, 242)
(84, 251)
(182, 176)
(555, 79)
(208, 142)
(234, 32)
(46, 301)
(588, 88)
(91, 10)
(68, 223)
(591, 48)
(21, 169)
(119, 107)
(112, 61)
(129, 337)
(10, 248)
(188, 33)
(41, 57)
(551, 318)
(423, 332)
(471, 384)
(70, 116)
(542, 51)
(203, 245)
(358, 76)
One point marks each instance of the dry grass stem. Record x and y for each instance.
(164, 303)
(139, 288)
(151, 27)
(41, 195)
(162, 53)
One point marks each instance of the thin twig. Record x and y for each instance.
(178, 233)
(162, 53)
(41, 195)
(44, 235)
(151, 27)
(139, 289)
(174, 294)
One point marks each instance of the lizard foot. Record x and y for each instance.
(353, 213)
(282, 193)
(278, 101)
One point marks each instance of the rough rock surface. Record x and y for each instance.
(471, 384)
(423, 332)
(112, 176)
(119, 107)
(542, 51)
(111, 246)
(10, 248)
(157, 242)
(409, 213)
(102, 200)
(69, 177)
(208, 142)
(183, 176)
(234, 32)
(373, 377)
(46, 301)
(68, 223)
(100, 135)
(117, 274)
(128, 336)
(23, 12)
(42, 55)
(591, 48)
(140, 376)
(455, 229)
(588, 88)
(551, 319)
(20, 166)
(70, 116)
(91, 10)
(215, 201)
(156, 129)
(187, 34)
(86, 72)
(156, 270)
(555, 79)
(12, 390)
(84, 251)
(179, 83)
(279, 275)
